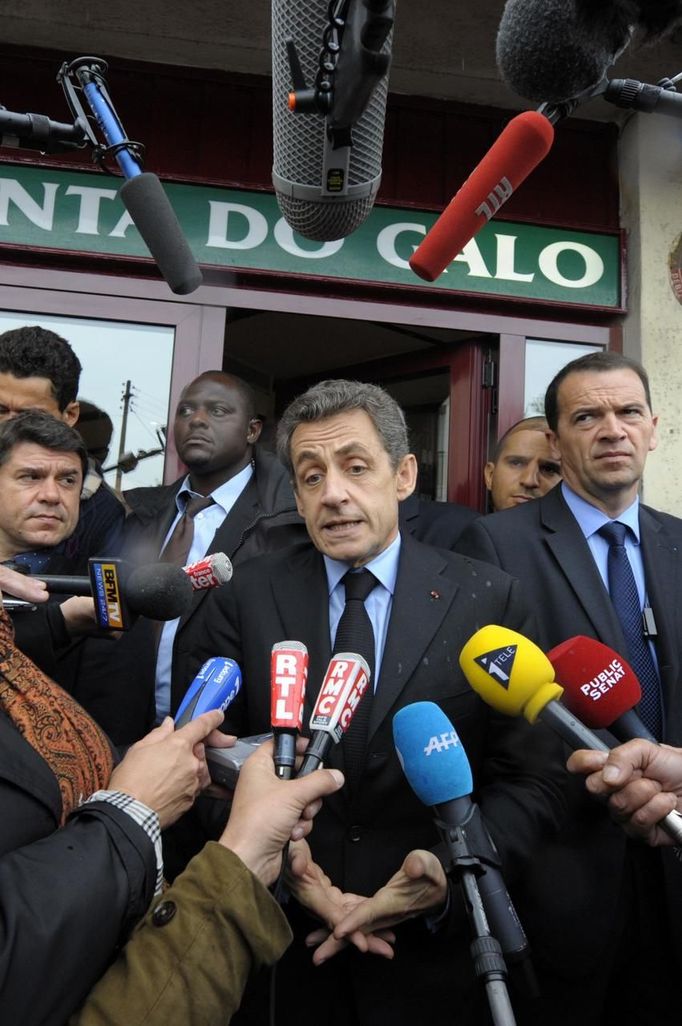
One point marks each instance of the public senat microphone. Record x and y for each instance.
(326, 166)
(288, 676)
(344, 684)
(216, 685)
(600, 687)
(516, 678)
(438, 771)
(209, 572)
(523, 143)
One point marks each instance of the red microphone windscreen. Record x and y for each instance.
(599, 685)
(524, 142)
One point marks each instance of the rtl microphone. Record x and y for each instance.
(158, 591)
(524, 142)
(600, 687)
(209, 572)
(216, 685)
(344, 684)
(288, 676)
(326, 166)
(438, 771)
(516, 678)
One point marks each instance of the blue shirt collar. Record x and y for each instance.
(384, 567)
(225, 495)
(590, 519)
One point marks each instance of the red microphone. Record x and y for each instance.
(344, 684)
(601, 688)
(209, 572)
(288, 676)
(524, 142)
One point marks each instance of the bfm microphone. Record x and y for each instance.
(142, 193)
(438, 771)
(288, 676)
(560, 50)
(523, 143)
(159, 591)
(600, 687)
(516, 678)
(209, 572)
(216, 685)
(344, 684)
(328, 138)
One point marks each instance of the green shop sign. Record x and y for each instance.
(235, 228)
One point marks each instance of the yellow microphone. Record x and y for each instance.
(516, 678)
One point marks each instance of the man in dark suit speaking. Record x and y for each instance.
(594, 561)
(346, 447)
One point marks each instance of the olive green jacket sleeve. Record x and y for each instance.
(189, 959)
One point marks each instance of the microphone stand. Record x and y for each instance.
(489, 964)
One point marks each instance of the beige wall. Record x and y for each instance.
(651, 198)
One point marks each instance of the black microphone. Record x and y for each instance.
(556, 50)
(159, 591)
(437, 769)
(328, 136)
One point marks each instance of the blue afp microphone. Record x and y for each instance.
(438, 771)
(216, 685)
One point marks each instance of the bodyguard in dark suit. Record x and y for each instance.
(604, 933)
(436, 523)
(346, 444)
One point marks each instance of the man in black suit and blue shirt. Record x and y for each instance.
(604, 935)
(346, 447)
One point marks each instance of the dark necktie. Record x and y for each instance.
(180, 542)
(625, 599)
(355, 634)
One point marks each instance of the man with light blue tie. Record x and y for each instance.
(345, 444)
(595, 561)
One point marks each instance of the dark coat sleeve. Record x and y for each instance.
(66, 903)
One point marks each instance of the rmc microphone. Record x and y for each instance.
(600, 687)
(438, 771)
(288, 676)
(328, 138)
(516, 678)
(523, 143)
(344, 684)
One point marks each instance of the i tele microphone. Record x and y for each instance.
(215, 686)
(344, 684)
(288, 676)
(516, 678)
(523, 143)
(600, 687)
(326, 170)
(158, 591)
(438, 771)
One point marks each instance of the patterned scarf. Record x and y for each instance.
(56, 727)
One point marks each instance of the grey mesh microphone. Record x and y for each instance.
(326, 181)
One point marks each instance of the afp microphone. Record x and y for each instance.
(600, 687)
(524, 142)
(344, 684)
(438, 771)
(326, 166)
(516, 678)
(288, 676)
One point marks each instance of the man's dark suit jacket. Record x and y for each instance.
(541, 544)
(436, 523)
(440, 600)
(117, 678)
